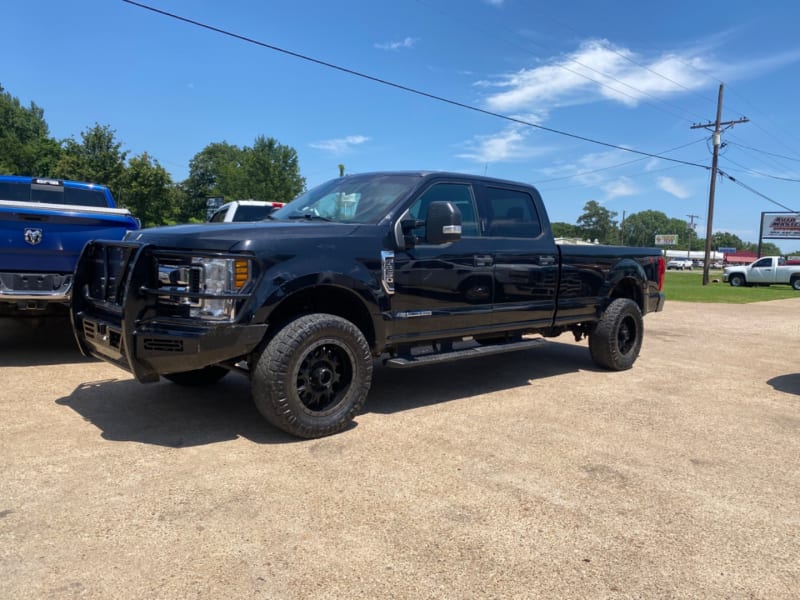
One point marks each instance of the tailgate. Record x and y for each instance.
(50, 240)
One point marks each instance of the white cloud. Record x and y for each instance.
(340, 145)
(619, 188)
(507, 145)
(596, 70)
(671, 186)
(408, 42)
(495, 2)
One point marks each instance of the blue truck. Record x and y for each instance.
(44, 224)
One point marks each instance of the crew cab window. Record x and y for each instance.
(457, 193)
(509, 213)
(764, 262)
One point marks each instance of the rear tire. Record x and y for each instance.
(198, 377)
(313, 377)
(616, 341)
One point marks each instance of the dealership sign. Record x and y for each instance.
(784, 226)
(666, 240)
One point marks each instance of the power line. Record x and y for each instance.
(406, 88)
(754, 172)
(756, 192)
(601, 73)
(765, 152)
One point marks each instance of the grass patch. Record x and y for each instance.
(687, 286)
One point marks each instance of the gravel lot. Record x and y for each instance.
(529, 475)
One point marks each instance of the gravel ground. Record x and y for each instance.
(528, 475)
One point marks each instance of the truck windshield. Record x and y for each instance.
(350, 199)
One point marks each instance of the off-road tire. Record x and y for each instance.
(737, 280)
(198, 377)
(313, 376)
(616, 341)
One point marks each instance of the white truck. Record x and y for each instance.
(764, 271)
(244, 210)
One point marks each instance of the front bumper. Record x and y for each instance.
(115, 317)
(35, 287)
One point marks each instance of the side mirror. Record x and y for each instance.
(442, 223)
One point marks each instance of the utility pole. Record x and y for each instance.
(690, 229)
(716, 138)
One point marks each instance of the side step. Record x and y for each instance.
(407, 362)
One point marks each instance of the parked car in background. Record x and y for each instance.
(244, 210)
(680, 264)
(44, 225)
(764, 271)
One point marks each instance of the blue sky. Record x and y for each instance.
(628, 73)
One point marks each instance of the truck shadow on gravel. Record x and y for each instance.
(169, 415)
(34, 342)
(789, 384)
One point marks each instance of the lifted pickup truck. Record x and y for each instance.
(44, 224)
(764, 271)
(412, 267)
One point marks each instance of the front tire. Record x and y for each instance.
(616, 341)
(796, 284)
(313, 377)
(737, 280)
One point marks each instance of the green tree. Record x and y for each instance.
(767, 248)
(597, 223)
(26, 147)
(723, 239)
(97, 158)
(266, 171)
(565, 230)
(211, 172)
(271, 171)
(146, 190)
(640, 229)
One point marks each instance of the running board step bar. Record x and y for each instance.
(407, 362)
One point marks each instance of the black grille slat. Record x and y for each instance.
(162, 345)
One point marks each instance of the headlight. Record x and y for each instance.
(204, 287)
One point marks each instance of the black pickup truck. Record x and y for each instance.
(410, 267)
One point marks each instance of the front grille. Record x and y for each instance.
(161, 345)
(108, 269)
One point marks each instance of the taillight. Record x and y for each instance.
(662, 268)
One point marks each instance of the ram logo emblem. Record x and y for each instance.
(33, 236)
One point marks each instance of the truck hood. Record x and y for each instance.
(224, 237)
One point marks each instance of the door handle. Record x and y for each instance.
(546, 261)
(483, 260)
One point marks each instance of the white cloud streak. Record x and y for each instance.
(505, 146)
(671, 186)
(598, 71)
(340, 145)
(408, 42)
